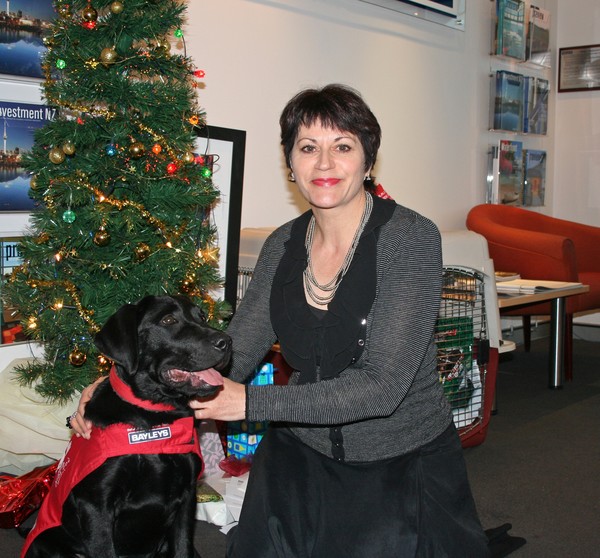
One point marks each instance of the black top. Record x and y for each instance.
(321, 347)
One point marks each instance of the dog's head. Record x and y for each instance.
(164, 348)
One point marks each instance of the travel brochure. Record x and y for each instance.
(521, 33)
(516, 176)
(519, 103)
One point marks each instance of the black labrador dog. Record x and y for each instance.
(129, 491)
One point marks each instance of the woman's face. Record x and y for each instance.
(329, 166)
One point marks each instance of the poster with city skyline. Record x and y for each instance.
(18, 123)
(23, 24)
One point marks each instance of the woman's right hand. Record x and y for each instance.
(79, 424)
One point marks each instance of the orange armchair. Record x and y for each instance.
(540, 247)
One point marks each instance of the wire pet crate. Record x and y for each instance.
(463, 354)
(468, 333)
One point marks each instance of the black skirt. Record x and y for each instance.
(302, 504)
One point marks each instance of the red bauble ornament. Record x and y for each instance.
(89, 25)
(199, 73)
(171, 168)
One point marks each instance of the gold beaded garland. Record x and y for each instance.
(142, 251)
(64, 10)
(188, 284)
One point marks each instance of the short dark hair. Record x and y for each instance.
(335, 106)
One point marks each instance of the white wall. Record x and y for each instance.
(577, 143)
(428, 85)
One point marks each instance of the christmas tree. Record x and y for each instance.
(124, 202)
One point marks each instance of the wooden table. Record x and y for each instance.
(557, 297)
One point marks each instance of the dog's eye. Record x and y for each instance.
(168, 320)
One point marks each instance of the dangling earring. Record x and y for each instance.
(291, 176)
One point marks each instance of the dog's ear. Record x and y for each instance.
(118, 337)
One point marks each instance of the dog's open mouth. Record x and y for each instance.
(197, 379)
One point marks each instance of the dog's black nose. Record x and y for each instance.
(222, 343)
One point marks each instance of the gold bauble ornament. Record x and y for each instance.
(103, 364)
(116, 7)
(89, 14)
(108, 56)
(68, 148)
(162, 47)
(56, 155)
(142, 251)
(77, 357)
(137, 149)
(188, 157)
(33, 182)
(101, 237)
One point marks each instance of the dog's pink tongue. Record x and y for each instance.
(209, 376)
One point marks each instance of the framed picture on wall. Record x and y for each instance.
(225, 150)
(579, 68)
(18, 123)
(23, 25)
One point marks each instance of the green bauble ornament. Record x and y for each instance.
(69, 216)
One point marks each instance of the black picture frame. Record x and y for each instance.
(579, 68)
(230, 147)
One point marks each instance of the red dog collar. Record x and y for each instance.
(126, 394)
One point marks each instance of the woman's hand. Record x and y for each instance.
(229, 403)
(79, 424)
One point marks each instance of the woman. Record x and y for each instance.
(361, 458)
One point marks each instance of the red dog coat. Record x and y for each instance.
(84, 456)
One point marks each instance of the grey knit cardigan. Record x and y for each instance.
(390, 401)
